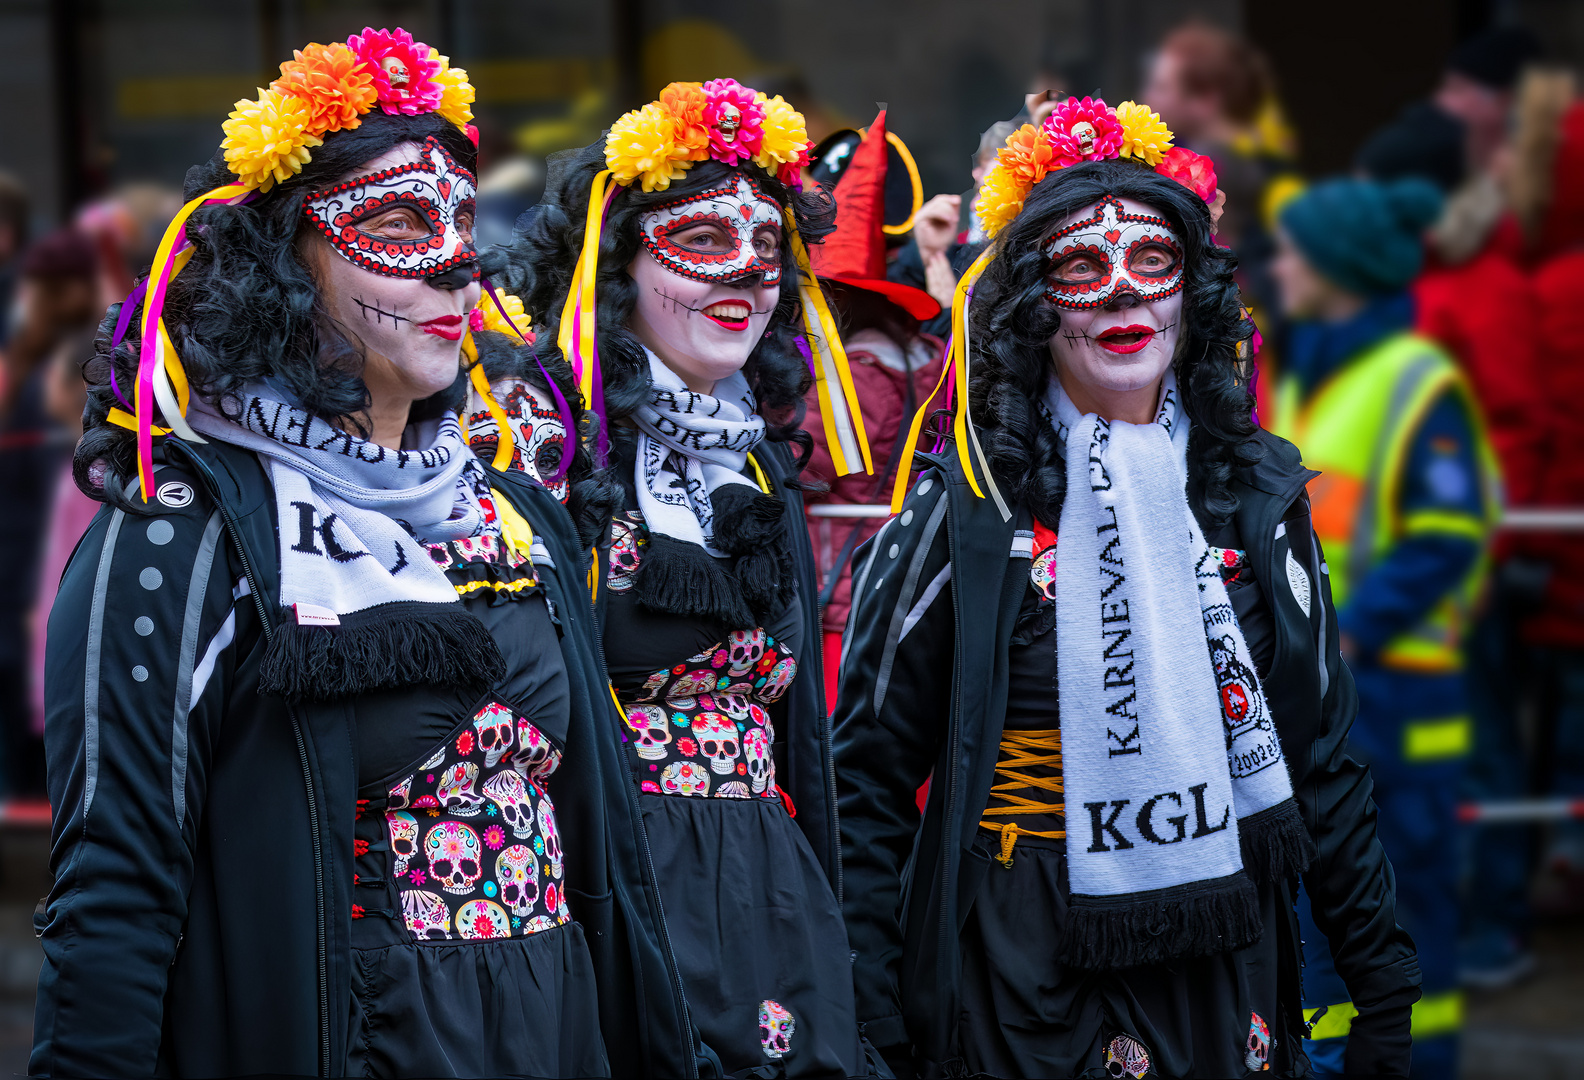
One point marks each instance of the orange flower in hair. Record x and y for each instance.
(686, 102)
(334, 83)
(1027, 155)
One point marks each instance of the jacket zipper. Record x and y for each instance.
(954, 741)
(302, 755)
(654, 877)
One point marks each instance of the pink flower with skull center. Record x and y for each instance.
(1083, 129)
(735, 108)
(404, 75)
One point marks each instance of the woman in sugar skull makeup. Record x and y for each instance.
(1104, 594)
(667, 262)
(332, 757)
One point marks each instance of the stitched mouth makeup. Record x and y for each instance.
(446, 326)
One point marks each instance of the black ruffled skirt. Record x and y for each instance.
(758, 937)
(1024, 1014)
(519, 1006)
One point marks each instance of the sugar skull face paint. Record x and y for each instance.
(408, 220)
(709, 279)
(726, 234)
(1117, 279)
(1114, 247)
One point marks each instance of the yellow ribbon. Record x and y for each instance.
(506, 441)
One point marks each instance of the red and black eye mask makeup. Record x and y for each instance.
(741, 211)
(1110, 251)
(435, 186)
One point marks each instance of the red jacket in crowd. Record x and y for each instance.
(880, 377)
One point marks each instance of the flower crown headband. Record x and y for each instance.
(1077, 130)
(323, 89)
(724, 121)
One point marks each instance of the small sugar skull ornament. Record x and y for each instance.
(698, 681)
(1256, 1057)
(685, 778)
(507, 790)
(552, 836)
(719, 740)
(756, 755)
(536, 754)
(479, 919)
(517, 874)
(494, 724)
(733, 789)
(456, 789)
(454, 855)
(1126, 1058)
(403, 838)
(651, 729)
(743, 649)
(426, 914)
(776, 1028)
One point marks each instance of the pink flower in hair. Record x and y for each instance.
(1083, 129)
(735, 119)
(405, 76)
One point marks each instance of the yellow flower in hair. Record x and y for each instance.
(456, 93)
(493, 320)
(267, 140)
(1000, 199)
(1144, 136)
(642, 146)
(785, 137)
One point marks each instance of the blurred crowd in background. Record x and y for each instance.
(1491, 268)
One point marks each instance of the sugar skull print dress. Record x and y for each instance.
(466, 960)
(752, 920)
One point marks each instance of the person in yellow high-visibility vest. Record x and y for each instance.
(1403, 504)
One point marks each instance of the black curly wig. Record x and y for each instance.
(538, 267)
(1013, 322)
(247, 307)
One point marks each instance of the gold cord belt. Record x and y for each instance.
(1025, 750)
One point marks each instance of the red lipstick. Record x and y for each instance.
(1125, 339)
(730, 314)
(446, 326)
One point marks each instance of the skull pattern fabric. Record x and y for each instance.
(440, 190)
(470, 839)
(702, 727)
(1110, 252)
(738, 207)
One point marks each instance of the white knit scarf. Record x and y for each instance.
(690, 444)
(354, 515)
(1168, 748)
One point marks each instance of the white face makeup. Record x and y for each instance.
(1117, 277)
(410, 327)
(437, 194)
(708, 279)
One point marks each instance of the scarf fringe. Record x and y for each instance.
(1137, 929)
(392, 645)
(680, 578)
(748, 525)
(1276, 843)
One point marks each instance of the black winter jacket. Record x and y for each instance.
(200, 916)
(924, 687)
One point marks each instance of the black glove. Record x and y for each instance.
(1378, 1042)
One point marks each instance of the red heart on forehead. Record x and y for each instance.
(445, 188)
(745, 211)
(1113, 236)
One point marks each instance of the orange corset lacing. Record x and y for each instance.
(1030, 763)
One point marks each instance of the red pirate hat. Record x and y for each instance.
(855, 253)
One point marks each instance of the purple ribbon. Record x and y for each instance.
(561, 401)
